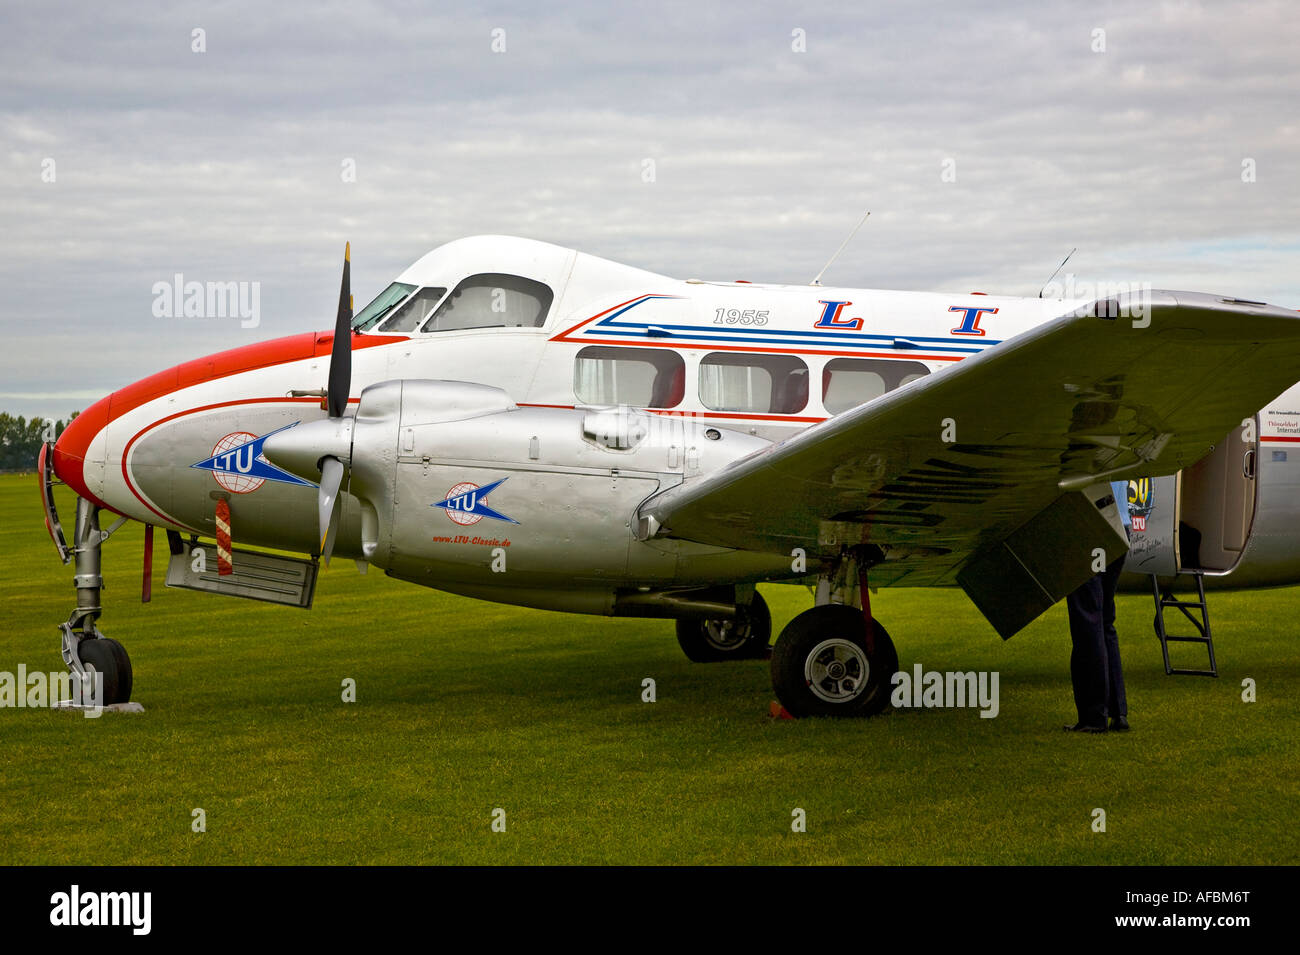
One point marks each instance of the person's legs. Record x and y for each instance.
(1116, 702)
(1088, 670)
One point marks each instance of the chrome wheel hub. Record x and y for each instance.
(837, 670)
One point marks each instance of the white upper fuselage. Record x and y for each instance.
(596, 304)
(603, 303)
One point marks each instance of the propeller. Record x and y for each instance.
(338, 388)
(340, 379)
(324, 448)
(331, 478)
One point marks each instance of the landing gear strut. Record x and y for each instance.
(835, 659)
(86, 651)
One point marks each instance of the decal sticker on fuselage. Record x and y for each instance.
(970, 319)
(466, 503)
(1141, 500)
(237, 463)
(829, 331)
(830, 317)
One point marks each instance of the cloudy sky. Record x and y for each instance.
(986, 139)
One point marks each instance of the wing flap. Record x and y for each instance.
(1014, 580)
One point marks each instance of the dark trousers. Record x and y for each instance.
(1094, 660)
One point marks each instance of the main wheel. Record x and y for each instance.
(744, 638)
(108, 658)
(823, 666)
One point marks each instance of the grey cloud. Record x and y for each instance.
(225, 165)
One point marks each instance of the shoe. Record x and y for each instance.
(1119, 724)
(1084, 728)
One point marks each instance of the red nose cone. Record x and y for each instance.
(73, 446)
(77, 444)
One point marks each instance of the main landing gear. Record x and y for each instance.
(835, 659)
(86, 651)
(745, 637)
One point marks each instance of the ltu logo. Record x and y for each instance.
(1140, 502)
(238, 465)
(466, 504)
(234, 454)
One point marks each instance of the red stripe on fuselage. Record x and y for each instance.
(74, 444)
(648, 342)
(758, 349)
(564, 335)
(673, 412)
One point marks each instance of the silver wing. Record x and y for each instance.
(991, 474)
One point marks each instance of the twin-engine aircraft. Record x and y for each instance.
(523, 423)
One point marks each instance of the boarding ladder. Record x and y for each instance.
(1165, 598)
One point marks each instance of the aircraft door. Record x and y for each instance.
(1217, 502)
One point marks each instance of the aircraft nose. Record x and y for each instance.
(81, 454)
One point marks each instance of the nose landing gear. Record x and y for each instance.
(86, 651)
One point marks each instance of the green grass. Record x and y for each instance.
(465, 706)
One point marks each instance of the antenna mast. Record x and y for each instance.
(1058, 268)
(818, 279)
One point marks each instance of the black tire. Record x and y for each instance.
(745, 638)
(805, 674)
(125, 675)
(109, 658)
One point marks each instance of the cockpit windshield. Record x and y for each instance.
(485, 300)
(413, 311)
(381, 306)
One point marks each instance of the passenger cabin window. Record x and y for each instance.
(849, 382)
(381, 306)
(492, 300)
(641, 377)
(413, 311)
(762, 384)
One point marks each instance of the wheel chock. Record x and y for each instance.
(778, 712)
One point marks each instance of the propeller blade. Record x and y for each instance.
(340, 379)
(331, 479)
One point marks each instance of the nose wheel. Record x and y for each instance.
(108, 659)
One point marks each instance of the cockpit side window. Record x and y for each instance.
(415, 310)
(493, 300)
(383, 303)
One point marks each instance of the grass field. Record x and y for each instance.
(464, 707)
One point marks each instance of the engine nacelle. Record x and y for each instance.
(464, 490)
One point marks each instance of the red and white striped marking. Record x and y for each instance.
(224, 565)
(146, 586)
